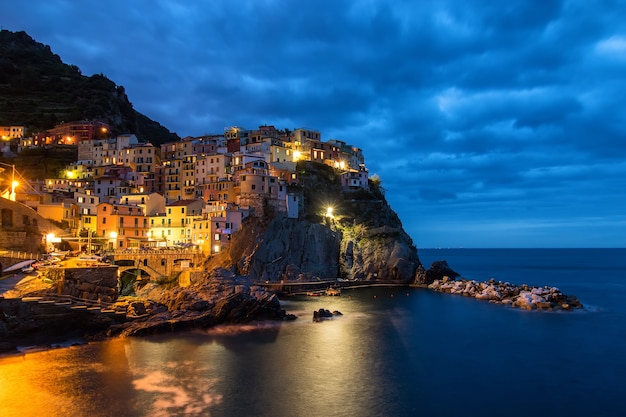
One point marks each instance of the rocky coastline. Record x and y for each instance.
(441, 277)
(217, 297)
(522, 296)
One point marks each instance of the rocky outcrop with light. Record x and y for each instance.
(363, 240)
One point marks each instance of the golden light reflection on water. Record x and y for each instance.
(336, 367)
(117, 377)
(40, 384)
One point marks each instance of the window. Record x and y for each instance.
(104, 220)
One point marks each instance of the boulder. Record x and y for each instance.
(439, 270)
(323, 314)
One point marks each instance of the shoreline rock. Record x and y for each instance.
(323, 314)
(219, 297)
(521, 296)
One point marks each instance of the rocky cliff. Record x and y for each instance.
(363, 239)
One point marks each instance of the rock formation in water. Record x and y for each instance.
(522, 296)
(437, 271)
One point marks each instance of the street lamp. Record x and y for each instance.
(13, 182)
(14, 185)
(113, 236)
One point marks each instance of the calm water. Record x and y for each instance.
(394, 352)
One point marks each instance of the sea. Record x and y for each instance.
(393, 352)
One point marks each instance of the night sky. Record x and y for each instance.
(490, 123)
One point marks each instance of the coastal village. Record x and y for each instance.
(167, 210)
(123, 194)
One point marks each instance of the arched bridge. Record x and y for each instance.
(157, 264)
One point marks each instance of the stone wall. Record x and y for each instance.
(95, 284)
(22, 228)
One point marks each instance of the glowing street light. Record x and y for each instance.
(113, 236)
(14, 183)
(329, 211)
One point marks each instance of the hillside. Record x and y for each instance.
(38, 90)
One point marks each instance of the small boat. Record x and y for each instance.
(333, 291)
(19, 266)
(59, 254)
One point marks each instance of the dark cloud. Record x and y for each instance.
(490, 123)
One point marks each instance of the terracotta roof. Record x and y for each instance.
(182, 202)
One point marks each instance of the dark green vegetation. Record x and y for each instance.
(42, 163)
(38, 90)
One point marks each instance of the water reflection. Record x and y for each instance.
(336, 367)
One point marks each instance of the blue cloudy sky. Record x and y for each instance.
(490, 123)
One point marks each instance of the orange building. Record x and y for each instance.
(123, 225)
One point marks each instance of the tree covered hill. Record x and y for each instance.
(38, 90)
